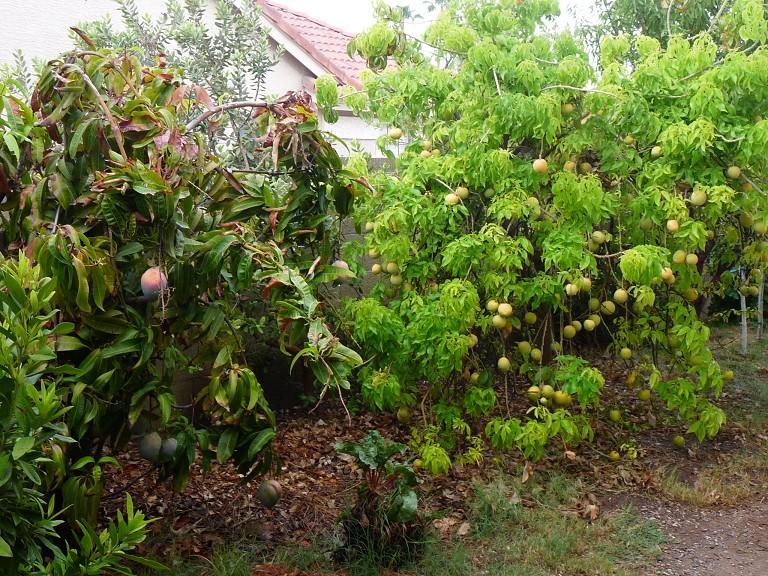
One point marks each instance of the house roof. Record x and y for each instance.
(323, 42)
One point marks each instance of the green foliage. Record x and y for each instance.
(637, 172)
(385, 517)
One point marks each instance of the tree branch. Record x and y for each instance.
(223, 108)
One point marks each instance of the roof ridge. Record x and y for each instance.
(314, 19)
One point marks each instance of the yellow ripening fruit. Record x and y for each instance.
(596, 319)
(376, 269)
(530, 318)
(678, 442)
(598, 237)
(614, 415)
(625, 353)
(644, 395)
(608, 308)
(690, 294)
(656, 151)
(629, 139)
(614, 456)
(369, 226)
(427, 145)
(733, 172)
(673, 226)
(451, 199)
(403, 415)
(589, 325)
(692, 259)
(462, 192)
(504, 364)
(425, 154)
(566, 109)
(698, 197)
(492, 306)
(392, 268)
(395, 133)
(646, 224)
(533, 393)
(537, 354)
(668, 276)
(569, 166)
(505, 310)
(728, 375)
(547, 392)
(524, 347)
(540, 166)
(620, 296)
(571, 289)
(396, 279)
(562, 399)
(679, 256)
(593, 304)
(585, 168)
(760, 228)
(499, 321)
(569, 331)
(577, 325)
(746, 219)
(373, 253)
(584, 283)
(473, 340)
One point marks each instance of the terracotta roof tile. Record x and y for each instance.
(323, 42)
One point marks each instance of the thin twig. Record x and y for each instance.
(717, 17)
(585, 90)
(496, 78)
(223, 108)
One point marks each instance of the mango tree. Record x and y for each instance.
(540, 208)
(159, 261)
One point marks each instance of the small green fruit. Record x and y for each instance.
(678, 442)
(149, 447)
(403, 415)
(270, 493)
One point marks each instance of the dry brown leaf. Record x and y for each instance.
(527, 471)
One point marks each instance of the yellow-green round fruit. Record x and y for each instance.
(679, 256)
(614, 415)
(629, 139)
(451, 199)
(577, 325)
(533, 201)
(646, 224)
(376, 269)
(668, 276)
(473, 340)
(608, 307)
(744, 290)
(760, 228)
(489, 193)
(536, 355)
(596, 319)
(620, 296)
(369, 226)
(540, 166)
(524, 347)
(499, 322)
(656, 151)
(710, 234)
(584, 283)
(396, 279)
(673, 340)
(562, 399)
(462, 192)
(504, 364)
(678, 441)
(754, 291)
(728, 375)
(644, 395)
(614, 456)
(425, 154)
(373, 253)
(732, 235)
(533, 393)
(418, 463)
(492, 306)
(593, 304)
(427, 145)
(270, 492)
(746, 220)
(733, 172)
(547, 392)
(569, 166)
(598, 237)
(690, 294)
(589, 325)
(566, 109)
(625, 353)
(698, 197)
(505, 310)
(475, 377)
(403, 415)
(569, 331)
(692, 259)
(530, 318)
(571, 289)
(585, 167)
(395, 133)
(392, 268)
(672, 226)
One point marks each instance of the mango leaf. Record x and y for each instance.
(226, 446)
